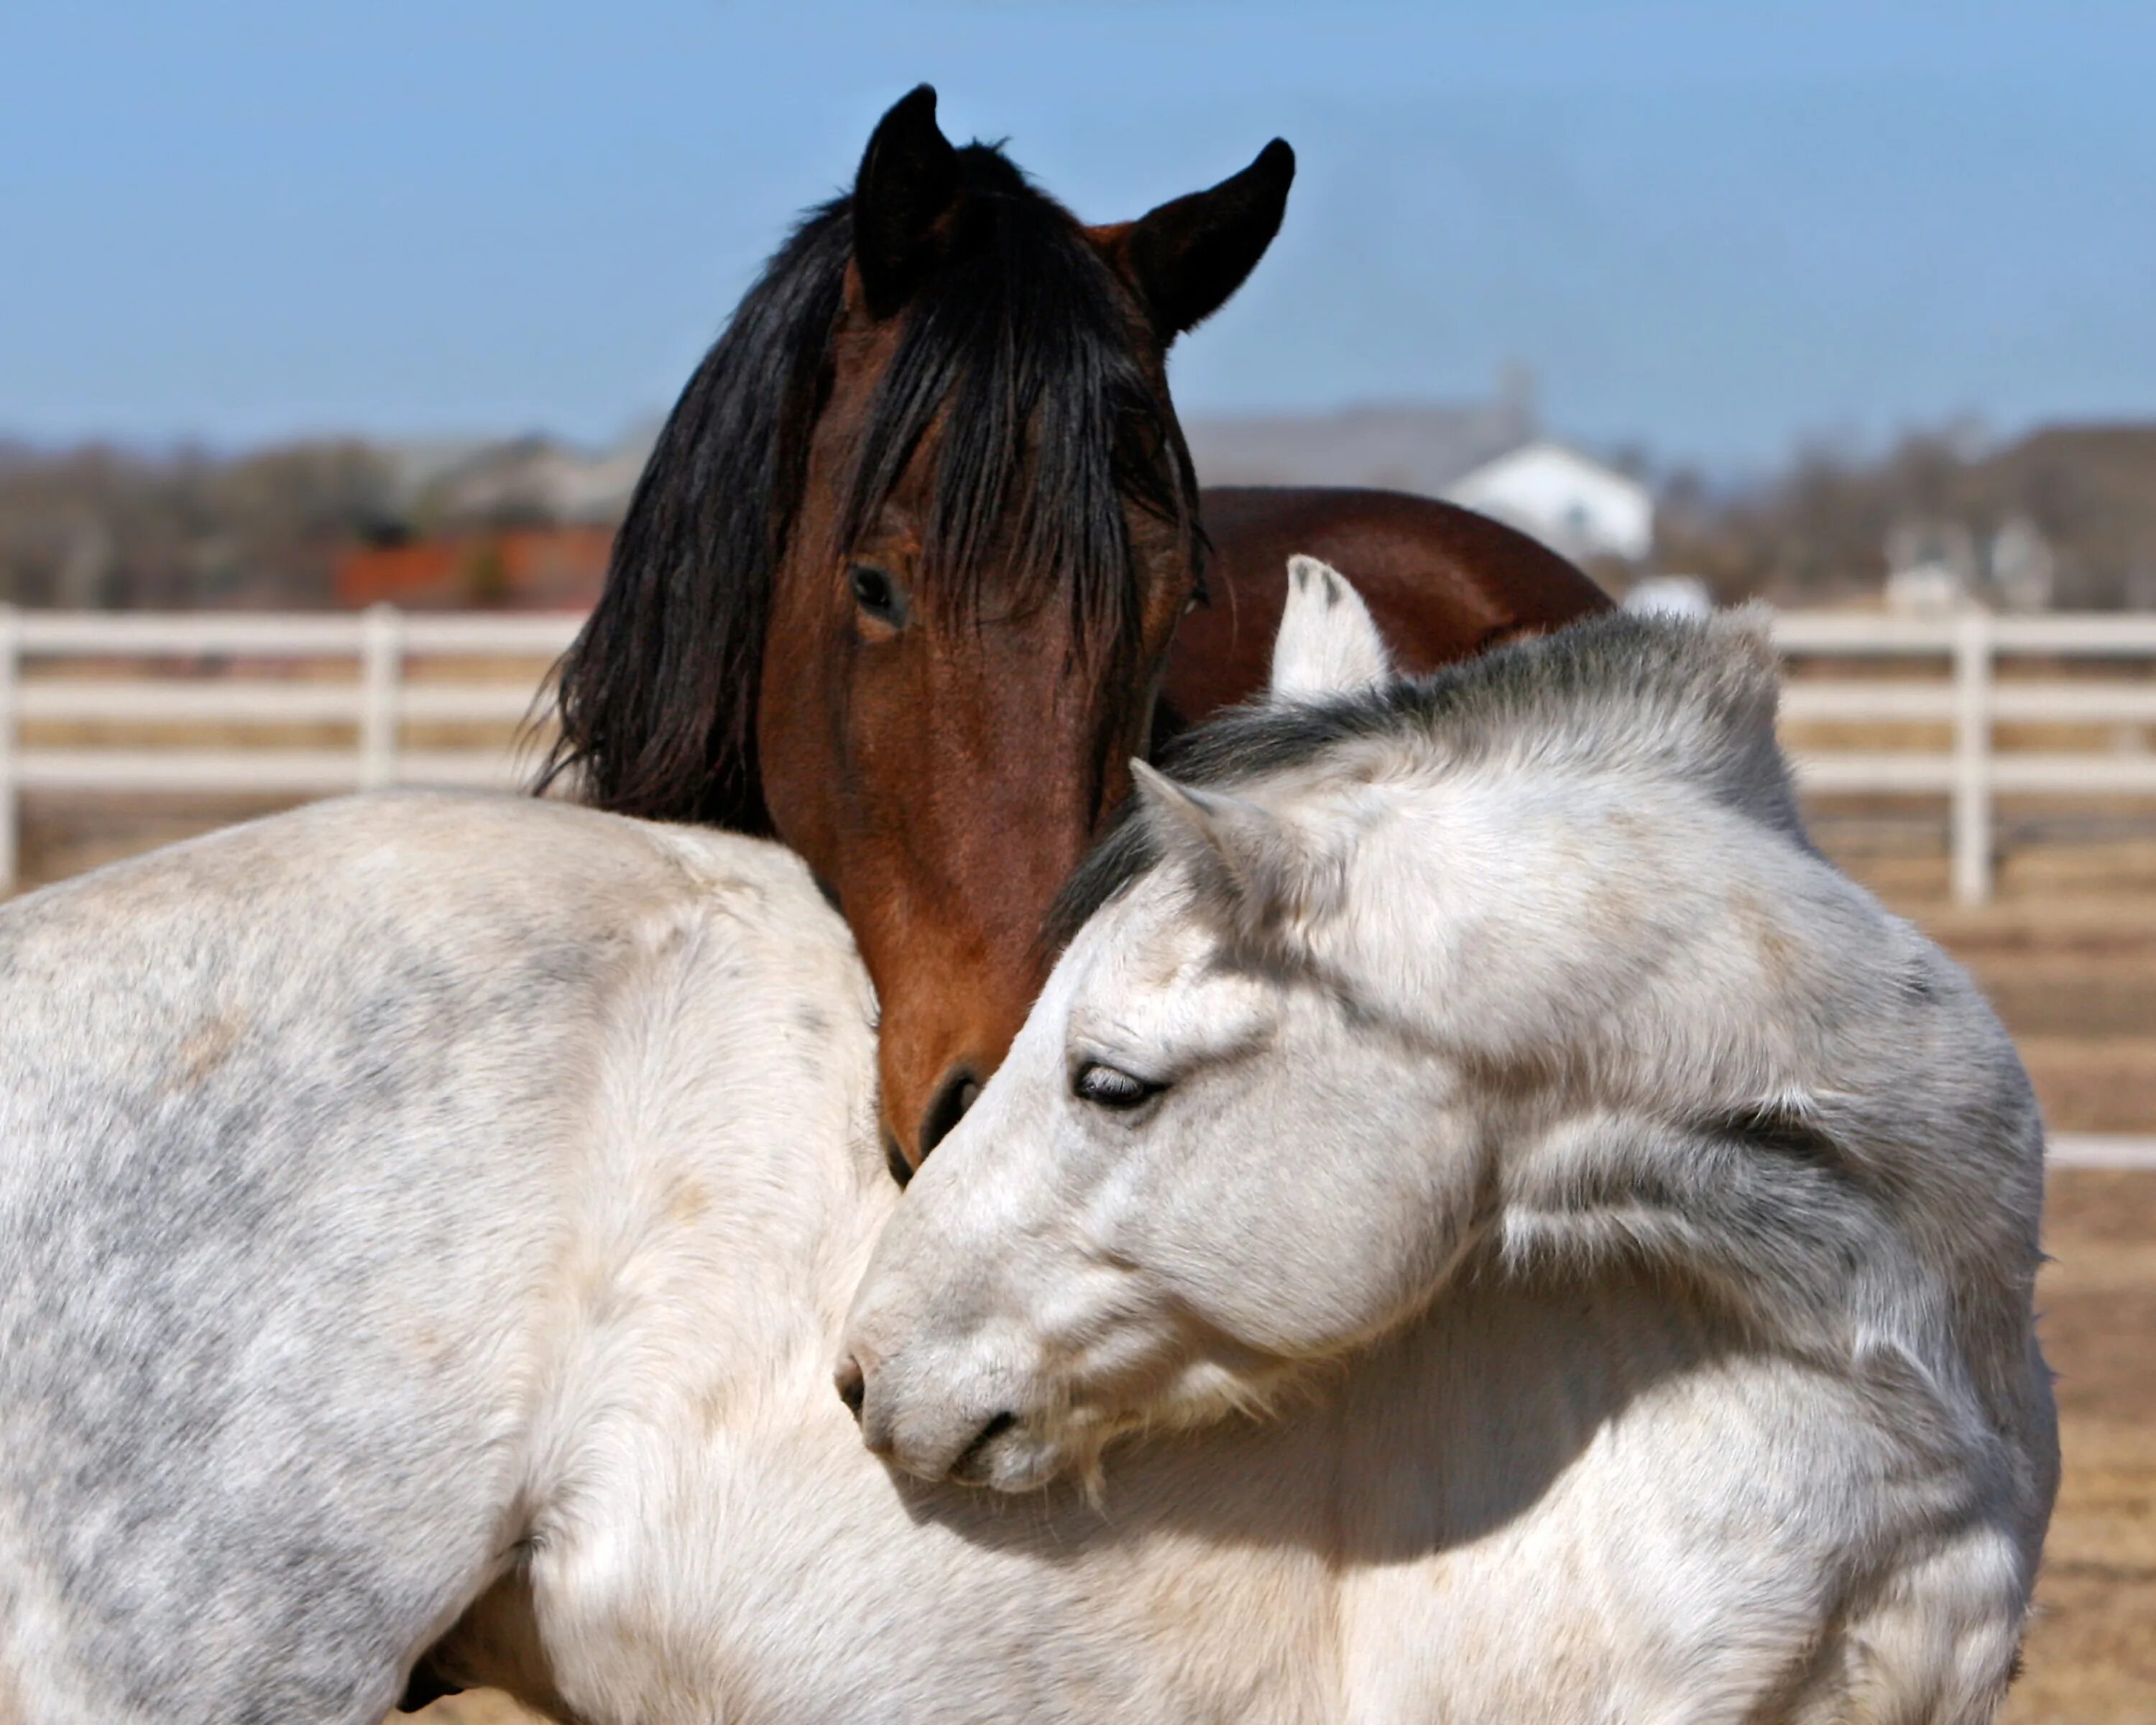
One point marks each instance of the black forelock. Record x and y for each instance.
(657, 696)
(1019, 350)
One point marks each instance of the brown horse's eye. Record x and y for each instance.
(877, 594)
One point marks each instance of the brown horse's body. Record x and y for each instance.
(921, 541)
(1442, 582)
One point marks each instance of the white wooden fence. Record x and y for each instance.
(371, 683)
(272, 674)
(1974, 699)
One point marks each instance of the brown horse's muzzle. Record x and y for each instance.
(942, 1038)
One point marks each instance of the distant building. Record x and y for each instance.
(522, 480)
(1395, 449)
(524, 524)
(2023, 568)
(1933, 568)
(517, 569)
(1938, 566)
(1670, 596)
(1484, 455)
(1925, 590)
(1577, 506)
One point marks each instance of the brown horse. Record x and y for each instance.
(901, 584)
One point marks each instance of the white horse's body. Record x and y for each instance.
(428, 1216)
(423, 1199)
(1495, 1058)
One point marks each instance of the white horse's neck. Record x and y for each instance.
(708, 1476)
(1443, 1493)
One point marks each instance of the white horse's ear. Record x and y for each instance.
(1326, 644)
(1258, 868)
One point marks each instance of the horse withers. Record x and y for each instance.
(904, 573)
(1492, 1061)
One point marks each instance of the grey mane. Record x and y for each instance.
(1677, 698)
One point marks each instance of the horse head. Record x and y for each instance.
(1172, 1023)
(1527, 965)
(899, 582)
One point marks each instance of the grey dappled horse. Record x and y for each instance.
(427, 1224)
(1495, 1058)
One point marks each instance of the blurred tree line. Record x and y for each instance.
(1821, 530)
(105, 526)
(102, 526)
(97, 526)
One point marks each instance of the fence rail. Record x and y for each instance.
(387, 683)
(1972, 700)
(284, 679)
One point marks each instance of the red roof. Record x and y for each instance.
(516, 568)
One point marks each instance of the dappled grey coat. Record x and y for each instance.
(428, 1222)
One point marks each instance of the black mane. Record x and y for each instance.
(1020, 333)
(1696, 698)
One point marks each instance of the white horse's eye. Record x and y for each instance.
(1111, 1087)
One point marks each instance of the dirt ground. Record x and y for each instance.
(2067, 952)
(2091, 1657)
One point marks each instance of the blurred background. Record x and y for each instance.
(332, 339)
(1844, 287)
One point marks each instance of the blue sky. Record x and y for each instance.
(1714, 230)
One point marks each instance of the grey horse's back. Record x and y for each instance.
(283, 1122)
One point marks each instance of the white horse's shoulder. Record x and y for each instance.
(432, 1093)
(473, 867)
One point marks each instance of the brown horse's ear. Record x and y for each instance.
(909, 180)
(1186, 258)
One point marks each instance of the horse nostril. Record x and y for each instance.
(960, 1091)
(965, 1469)
(852, 1385)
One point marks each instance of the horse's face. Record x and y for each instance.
(943, 723)
(898, 582)
(942, 768)
(1206, 1163)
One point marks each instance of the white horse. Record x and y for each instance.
(426, 1225)
(1636, 1224)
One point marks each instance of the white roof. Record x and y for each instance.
(1571, 502)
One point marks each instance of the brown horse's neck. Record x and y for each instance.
(1442, 584)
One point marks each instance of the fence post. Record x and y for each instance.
(10, 791)
(381, 670)
(1972, 779)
